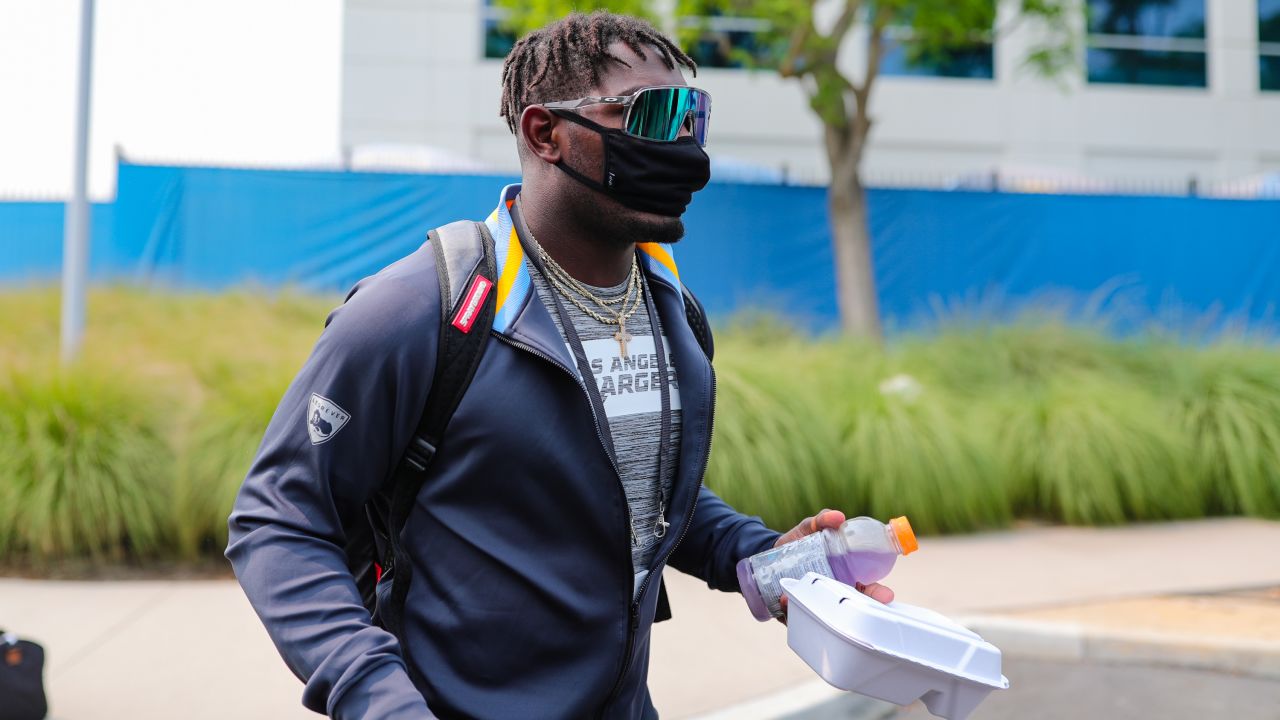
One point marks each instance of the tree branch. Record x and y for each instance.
(796, 49)
(875, 52)
(861, 126)
(845, 22)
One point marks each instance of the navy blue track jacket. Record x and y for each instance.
(521, 602)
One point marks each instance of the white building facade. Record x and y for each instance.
(1168, 92)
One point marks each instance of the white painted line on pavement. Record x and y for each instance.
(779, 704)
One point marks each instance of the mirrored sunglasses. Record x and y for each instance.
(656, 113)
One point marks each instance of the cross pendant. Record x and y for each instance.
(623, 337)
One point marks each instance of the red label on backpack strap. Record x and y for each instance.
(471, 305)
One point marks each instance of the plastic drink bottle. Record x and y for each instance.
(861, 550)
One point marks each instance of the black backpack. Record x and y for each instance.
(21, 679)
(467, 272)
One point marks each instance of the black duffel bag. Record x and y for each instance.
(21, 679)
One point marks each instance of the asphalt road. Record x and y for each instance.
(1042, 690)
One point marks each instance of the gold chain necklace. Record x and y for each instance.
(565, 277)
(566, 285)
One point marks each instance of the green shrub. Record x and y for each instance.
(804, 425)
(221, 445)
(1230, 407)
(1085, 448)
(917, 456)
(775, 444)
(85, 471)
(165, 410)
(138, 451)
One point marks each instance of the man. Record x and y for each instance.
(553, 502)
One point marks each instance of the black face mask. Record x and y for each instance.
(656, 177)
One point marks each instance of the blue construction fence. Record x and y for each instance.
(757, 247)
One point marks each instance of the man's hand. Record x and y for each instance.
(823, 520)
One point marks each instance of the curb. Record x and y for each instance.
(1037, 639)
(1074, 642)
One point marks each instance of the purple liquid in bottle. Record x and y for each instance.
(862, 566)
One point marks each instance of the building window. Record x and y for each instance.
(1148, 42)
(719, 41)
(965, 61)
(497, 41)
(1269, 44)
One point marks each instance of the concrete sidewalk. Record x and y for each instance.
(194, 649)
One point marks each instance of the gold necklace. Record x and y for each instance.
(583, 289)
(566, 284)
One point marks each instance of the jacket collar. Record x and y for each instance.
(520, 319)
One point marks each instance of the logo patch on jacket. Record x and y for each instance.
(324, 419)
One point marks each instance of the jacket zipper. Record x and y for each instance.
(684, 529)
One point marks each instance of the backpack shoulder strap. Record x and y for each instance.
(461, 249)
(696, 315)
(467, 273)
(465, 266)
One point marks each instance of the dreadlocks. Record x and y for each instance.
(565, 59)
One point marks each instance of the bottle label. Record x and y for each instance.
(793, 560)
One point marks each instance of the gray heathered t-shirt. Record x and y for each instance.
(630, 388)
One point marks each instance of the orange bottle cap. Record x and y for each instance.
(906, 536)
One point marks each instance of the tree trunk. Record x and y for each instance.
(851, 238)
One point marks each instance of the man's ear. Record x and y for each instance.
(538, 131)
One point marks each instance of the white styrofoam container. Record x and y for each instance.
(895, 652)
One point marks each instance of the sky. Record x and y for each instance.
(253, 82)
